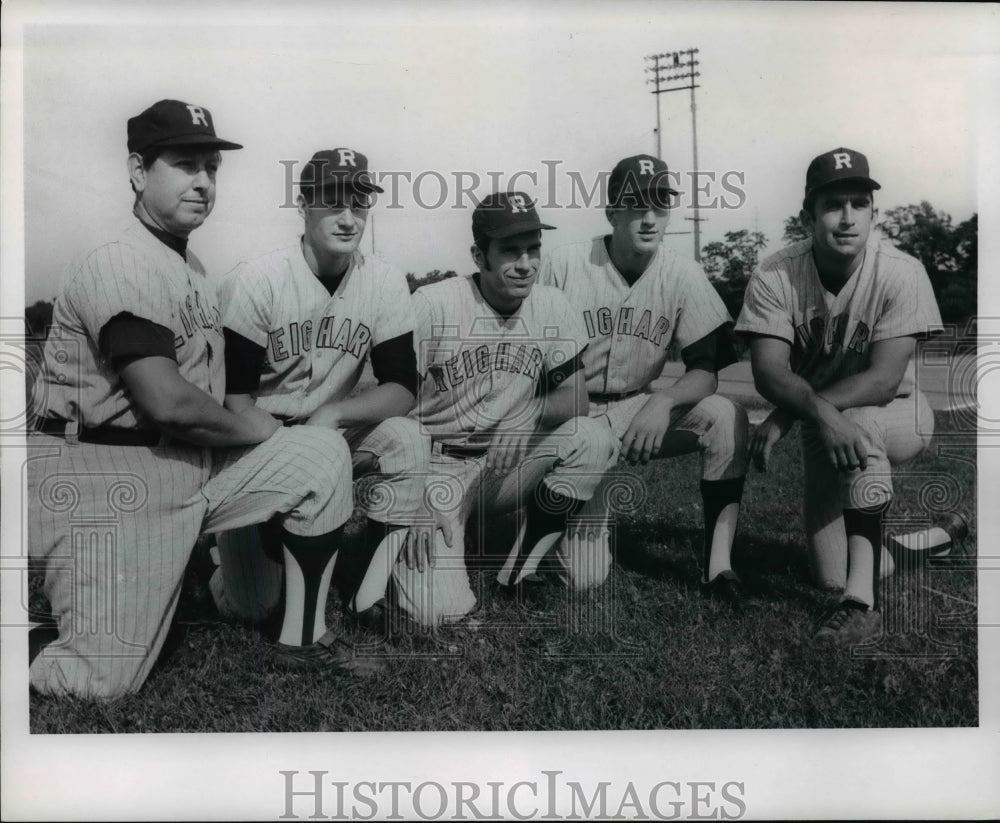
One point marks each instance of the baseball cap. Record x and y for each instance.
(635, 176)
(341, 168)
(504, 214)
(173, 123)
(836, 166)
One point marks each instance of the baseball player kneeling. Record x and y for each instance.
(832, 323)
(635, 298)
(121, 479)
(502, 397)
(300, 324)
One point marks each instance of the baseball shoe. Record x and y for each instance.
(375, 619)
(848, 623)
(727, 588)
(329, 652)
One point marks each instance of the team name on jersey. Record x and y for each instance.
(816, 333)
(295, 338)
(507, 357)
(604, 322)
(194, 314)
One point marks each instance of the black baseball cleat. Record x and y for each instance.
(848, 624)
(330, 653)
(727, 588)
(375, 619)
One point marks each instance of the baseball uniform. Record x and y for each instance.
(316, 345)
(114, 507)
(481, 370)
(831, 338)
(629, 329)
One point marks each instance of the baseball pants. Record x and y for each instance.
(896, 433)
(568, 461)
(116, 525)
(247, 585)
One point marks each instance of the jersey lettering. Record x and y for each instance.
(352, 340)
(625, 320)
(843, 160)
(642, 330)
(278, 345)
(604, 323)
(193, 316)
(859, 338)
(507, 357)
(811, 335)
(343, 336)
(198, 116)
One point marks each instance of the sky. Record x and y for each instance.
(530, 94)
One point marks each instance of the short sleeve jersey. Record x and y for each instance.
(136, 274)
(316, 342)
(889, 296)
(479, 368)
(630, 327)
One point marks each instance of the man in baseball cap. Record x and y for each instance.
(500, 397)
(134, 416)
(638, 300)
(302, 323)
(832, 323)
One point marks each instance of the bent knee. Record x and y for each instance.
(592, 440)
(722, 413)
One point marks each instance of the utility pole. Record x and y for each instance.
(679, 67)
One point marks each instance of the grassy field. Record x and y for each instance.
(644, 652)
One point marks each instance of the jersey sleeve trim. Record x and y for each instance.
(244, 363)
(127, 336)
(555, 377)
(394, 361)
(712, 352)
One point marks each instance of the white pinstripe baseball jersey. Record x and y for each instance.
(889, 296)
(116, 554)
(630, 327)
(316, 342)
(480, 369)
(134, 273)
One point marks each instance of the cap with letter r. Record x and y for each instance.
(504, 214)
(635, 177)
(174, 123)
(838, 166)
(340, 169)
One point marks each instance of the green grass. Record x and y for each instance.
(644, 652)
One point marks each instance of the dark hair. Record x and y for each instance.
(150, 156)
(482, 241)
